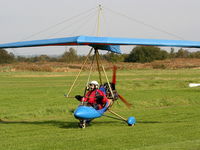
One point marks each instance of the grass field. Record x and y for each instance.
(35, 115)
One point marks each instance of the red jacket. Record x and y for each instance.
(90, 97)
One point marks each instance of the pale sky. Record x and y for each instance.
(21, 18)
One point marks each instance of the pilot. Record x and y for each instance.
(94, 97)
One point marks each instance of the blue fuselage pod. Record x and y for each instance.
(86, 112)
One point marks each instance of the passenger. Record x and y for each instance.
(94, 97)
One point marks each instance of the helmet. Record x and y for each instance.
(92, 85)
(95, 83)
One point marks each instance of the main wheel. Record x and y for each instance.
(82, 124)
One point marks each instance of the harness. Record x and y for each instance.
(93, 97)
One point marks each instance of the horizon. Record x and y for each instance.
(155, 19)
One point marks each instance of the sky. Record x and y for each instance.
(41, 19)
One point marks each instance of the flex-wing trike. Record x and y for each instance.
(85, 113)
(111, 44)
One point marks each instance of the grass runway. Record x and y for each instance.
(34, 115)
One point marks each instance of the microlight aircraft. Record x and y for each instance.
(112, 44)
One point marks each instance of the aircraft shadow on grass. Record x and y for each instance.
(60, 124)
(158, 122)
(150, 122)
(68, 125)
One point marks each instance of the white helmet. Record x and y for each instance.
(95, 83)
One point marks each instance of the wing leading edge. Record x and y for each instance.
(102, 43)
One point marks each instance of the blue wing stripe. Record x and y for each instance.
(103, 43)
(134, 41)
(45, 42)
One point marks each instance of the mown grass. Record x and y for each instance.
(35, 115)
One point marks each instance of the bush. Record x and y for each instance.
(112, 57)
(144, 54)
(34, 67)
(195, 54)
(159, 66)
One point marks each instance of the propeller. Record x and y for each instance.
(115, 93)
(125, 101)
(114, 75)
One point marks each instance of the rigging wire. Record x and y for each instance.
(145, 24)
(95, 27)
(91, 67)
(79, 73)
(88, 17)
(106, 24)
(105, 74)
(99, 17)
(84, 24)
(71, 19)
(98, 66)
(59, 23)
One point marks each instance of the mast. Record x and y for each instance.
(99, 17)
(96, 53)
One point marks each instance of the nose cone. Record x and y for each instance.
(85, 112)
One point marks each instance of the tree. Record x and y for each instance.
(146, 54)
(6, 57)
(172, 53)
(182, 53)
(69, 56)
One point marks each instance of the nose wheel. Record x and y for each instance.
(131, 121)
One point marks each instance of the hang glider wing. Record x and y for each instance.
(102, 43)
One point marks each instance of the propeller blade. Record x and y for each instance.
(114, 75)
(125, 101)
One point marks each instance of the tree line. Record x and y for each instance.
(139, 54)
